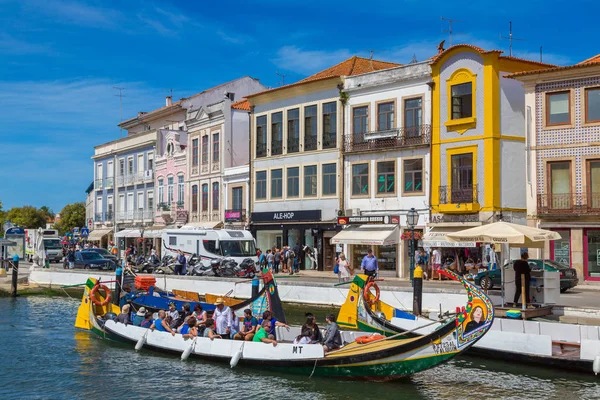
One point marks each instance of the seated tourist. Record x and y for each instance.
(333, 337)
(183, 316)
(268, 315)
(140, 316)
(249, 325)
(235, 324)
(303, 337)
(162, 323)
(311, 325)
(209, 332)
(124, 316)
(188, 329)
(262, 334)
(147, 322)
(173, 313)
(199, 314)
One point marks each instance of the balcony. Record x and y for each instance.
(329, 140)
(109, 182)
(568, 204)
(98, 217)
(276, 147)
(135, 215)
(389, 139)
(293, 145)
(99, 184)
(310, 143)
(195, 169)
(261, 150)
(105, 217)
(458, 198)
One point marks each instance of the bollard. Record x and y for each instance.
(255, 283)
(524, 299)
(15, 275)
(117, 296)
(417, 290)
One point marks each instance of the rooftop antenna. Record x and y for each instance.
(510, 39)
(541, 53)
(120, 95)
(449, 30)
(282, 77)
(171, 90)
(414, 59)
(370, 54)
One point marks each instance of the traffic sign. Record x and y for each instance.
(85, 232)
(90, 224)
(76, 230)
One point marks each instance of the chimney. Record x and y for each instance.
(169, 101)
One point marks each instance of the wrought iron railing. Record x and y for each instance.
(329, 140)
(458, 194)
(389, 139)
(261, 150)
(276, 147)
(310, 143)
(293, 145)
(568, 204)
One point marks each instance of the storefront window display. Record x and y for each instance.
(268, 239)
(560, 250)
(593, 253)
(386, 256)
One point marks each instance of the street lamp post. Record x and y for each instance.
(412, 219)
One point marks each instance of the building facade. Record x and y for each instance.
(386, 148)
(563, 161)
(236, 192)
(296, 166)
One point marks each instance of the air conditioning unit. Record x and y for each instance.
(353, 212)
(148, 173)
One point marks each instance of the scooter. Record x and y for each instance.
(167, 266)
(150, 265)
(201, 269)
(227, 267)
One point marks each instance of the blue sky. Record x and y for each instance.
(59, 62)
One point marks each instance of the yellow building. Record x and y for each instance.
(478, 139)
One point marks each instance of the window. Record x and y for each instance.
(413, 175)
(386, 177)
(140, 201)
(261, 185)
(172, 240)
(462, 178)
(385, 116)
(180, 189)
(560, 184)
(592, 105)
(261, 136)
(204, 149)
(161, 190)
(360, 179)
(216, 147)
(194, 198)
(293, 182)
(121, 167)
(170, 190)
(276, 183)
(195, 152)
(293, 132)
(237, 198)
(150, 161)
(210, 246)
(413, 116)
(276, 133)
(110, 206)
(215, 196)
(462, 100)
(205, 197)
(310, 181)
(140, 163)
(130, 165)
(310, 128)
(360, 120)
(150, 202)
(593, 184)
(329, 179)
(330, 125)
(558, 108)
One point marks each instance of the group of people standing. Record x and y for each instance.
(286, 259)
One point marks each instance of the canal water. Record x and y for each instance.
(45, 357)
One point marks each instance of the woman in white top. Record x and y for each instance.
(344, 268)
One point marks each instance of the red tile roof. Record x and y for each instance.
(353, 66)
(241, 105)
(592, 61)
(437, 57)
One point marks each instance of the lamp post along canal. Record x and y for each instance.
(412, 218)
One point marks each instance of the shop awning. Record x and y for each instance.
(377, 235)
(153, 233)
(436, 237)
(98, 234)
(128, 233)
(205, 224)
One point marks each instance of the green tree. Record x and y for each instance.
(27, 217)
(71, 216)
(47, 212)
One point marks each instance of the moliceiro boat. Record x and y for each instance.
(368, 358)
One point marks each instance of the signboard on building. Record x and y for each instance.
(233, 216)
(562, 253)
(286, 216)
(371, 219)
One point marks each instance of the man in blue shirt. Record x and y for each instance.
(369, 264)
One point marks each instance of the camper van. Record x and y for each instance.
(51, 244)
(209, 244)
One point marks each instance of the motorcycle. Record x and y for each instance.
(167, 266)
(201, 269)
(227, 267)
(150, 265)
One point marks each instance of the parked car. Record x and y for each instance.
(104, 253)
(91, 260)
(568, 276)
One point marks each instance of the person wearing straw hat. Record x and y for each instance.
(223, 318)
(140, 316)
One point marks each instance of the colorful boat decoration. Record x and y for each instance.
(379, 359)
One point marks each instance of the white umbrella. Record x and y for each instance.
(39, 247)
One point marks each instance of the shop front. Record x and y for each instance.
(467, 257)
(379, 233)
(273, 230)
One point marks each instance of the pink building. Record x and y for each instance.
(170, 171)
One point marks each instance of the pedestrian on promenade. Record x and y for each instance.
(276, 260)
(344, 268)
(270, 259)
(369, 264)
(522, 267)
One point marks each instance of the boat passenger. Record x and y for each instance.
(268, 315)
(316, 336)
(222, 318)
(249, 326)
(183, 316)
(199, 314)
(188, 329)
(235, 324)
(303, 337)
(147, 322)
(209, 331)
(140, 316)
(124, 316)
(161, 323)
(173, 313)
(262, 335)
(333, 337)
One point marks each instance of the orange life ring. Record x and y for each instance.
(367, 293)
(107, 295)
(369, 339)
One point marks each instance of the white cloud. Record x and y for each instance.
(292, 58)
(11, 45)
(81, 14)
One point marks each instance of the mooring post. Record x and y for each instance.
(255, 283)
(15, 275)
(119, 279)
(417, 290)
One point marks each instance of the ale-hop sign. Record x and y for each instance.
(287, 216)
(370, 219)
